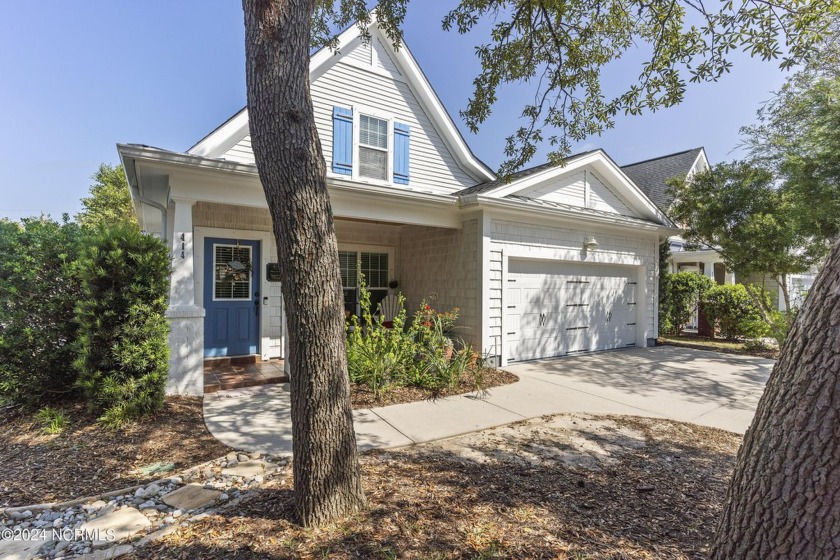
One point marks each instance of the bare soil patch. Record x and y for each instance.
(568, 486)
(88, 459)
(362, 396)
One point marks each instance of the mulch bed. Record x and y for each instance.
(661, 500)
(715, 345)
(88, 459)
(362, 396)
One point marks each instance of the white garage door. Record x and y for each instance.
(558, 308)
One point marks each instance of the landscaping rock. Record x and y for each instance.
(113, 552)
(157, 507)
(246, 469)
(106, 510)
(18, 515)
(116, 526)
(191, 496)
(50, 515)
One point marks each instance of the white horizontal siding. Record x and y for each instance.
(432, 166)
(383, 61)
(241, 152)
(602, 198)
(566, 190)
(361, 54)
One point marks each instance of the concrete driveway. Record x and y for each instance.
(708, 388)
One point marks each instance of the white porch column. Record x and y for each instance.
(186, 320)
(730, 277)
(709, 269)
(182, 288)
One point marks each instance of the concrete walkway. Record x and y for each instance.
(708, 388)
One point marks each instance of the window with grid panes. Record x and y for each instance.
(374, 267)
(373, 147)
(229, 281)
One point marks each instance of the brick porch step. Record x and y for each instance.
(236, 373)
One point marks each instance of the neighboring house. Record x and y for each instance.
(652, 175)
(559, 260)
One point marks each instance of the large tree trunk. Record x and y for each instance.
(784, 497)
(291, 165)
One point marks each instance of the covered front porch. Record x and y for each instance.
(233, 280)
(225, 298)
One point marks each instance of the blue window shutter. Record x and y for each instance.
(402, 136)
(342, 153)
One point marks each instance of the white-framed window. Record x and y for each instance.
(232, 266)
(373, 132)
(369, 146)
(373, 147)
(375, 264)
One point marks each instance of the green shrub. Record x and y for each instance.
(422, 354)
(123, 352)
(378, 356)
(441, 358)
(683, 291)
(53, 421)
(735, 314)
(38, 291)
(758, 345)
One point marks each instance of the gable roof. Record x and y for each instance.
(236, 128)
(516, 187)
(651, 175)
(513, 177)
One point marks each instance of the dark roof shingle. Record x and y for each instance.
(651, 175)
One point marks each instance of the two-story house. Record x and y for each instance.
(555, 261)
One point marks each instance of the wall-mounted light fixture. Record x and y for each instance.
(590, 244)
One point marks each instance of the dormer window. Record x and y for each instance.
(373, 148)
(370, 147)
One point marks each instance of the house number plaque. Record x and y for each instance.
(272, 272)
(183, 245)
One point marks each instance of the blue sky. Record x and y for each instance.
(78, 76)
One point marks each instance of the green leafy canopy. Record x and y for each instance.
(738, 209)
(109, 203)
(564, 46)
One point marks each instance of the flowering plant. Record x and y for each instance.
(442, 322)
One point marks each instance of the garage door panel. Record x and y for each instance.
(557, 308)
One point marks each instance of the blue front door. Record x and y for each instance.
(231, 297)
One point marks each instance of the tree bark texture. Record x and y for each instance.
(784, 497)
(327, 482)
